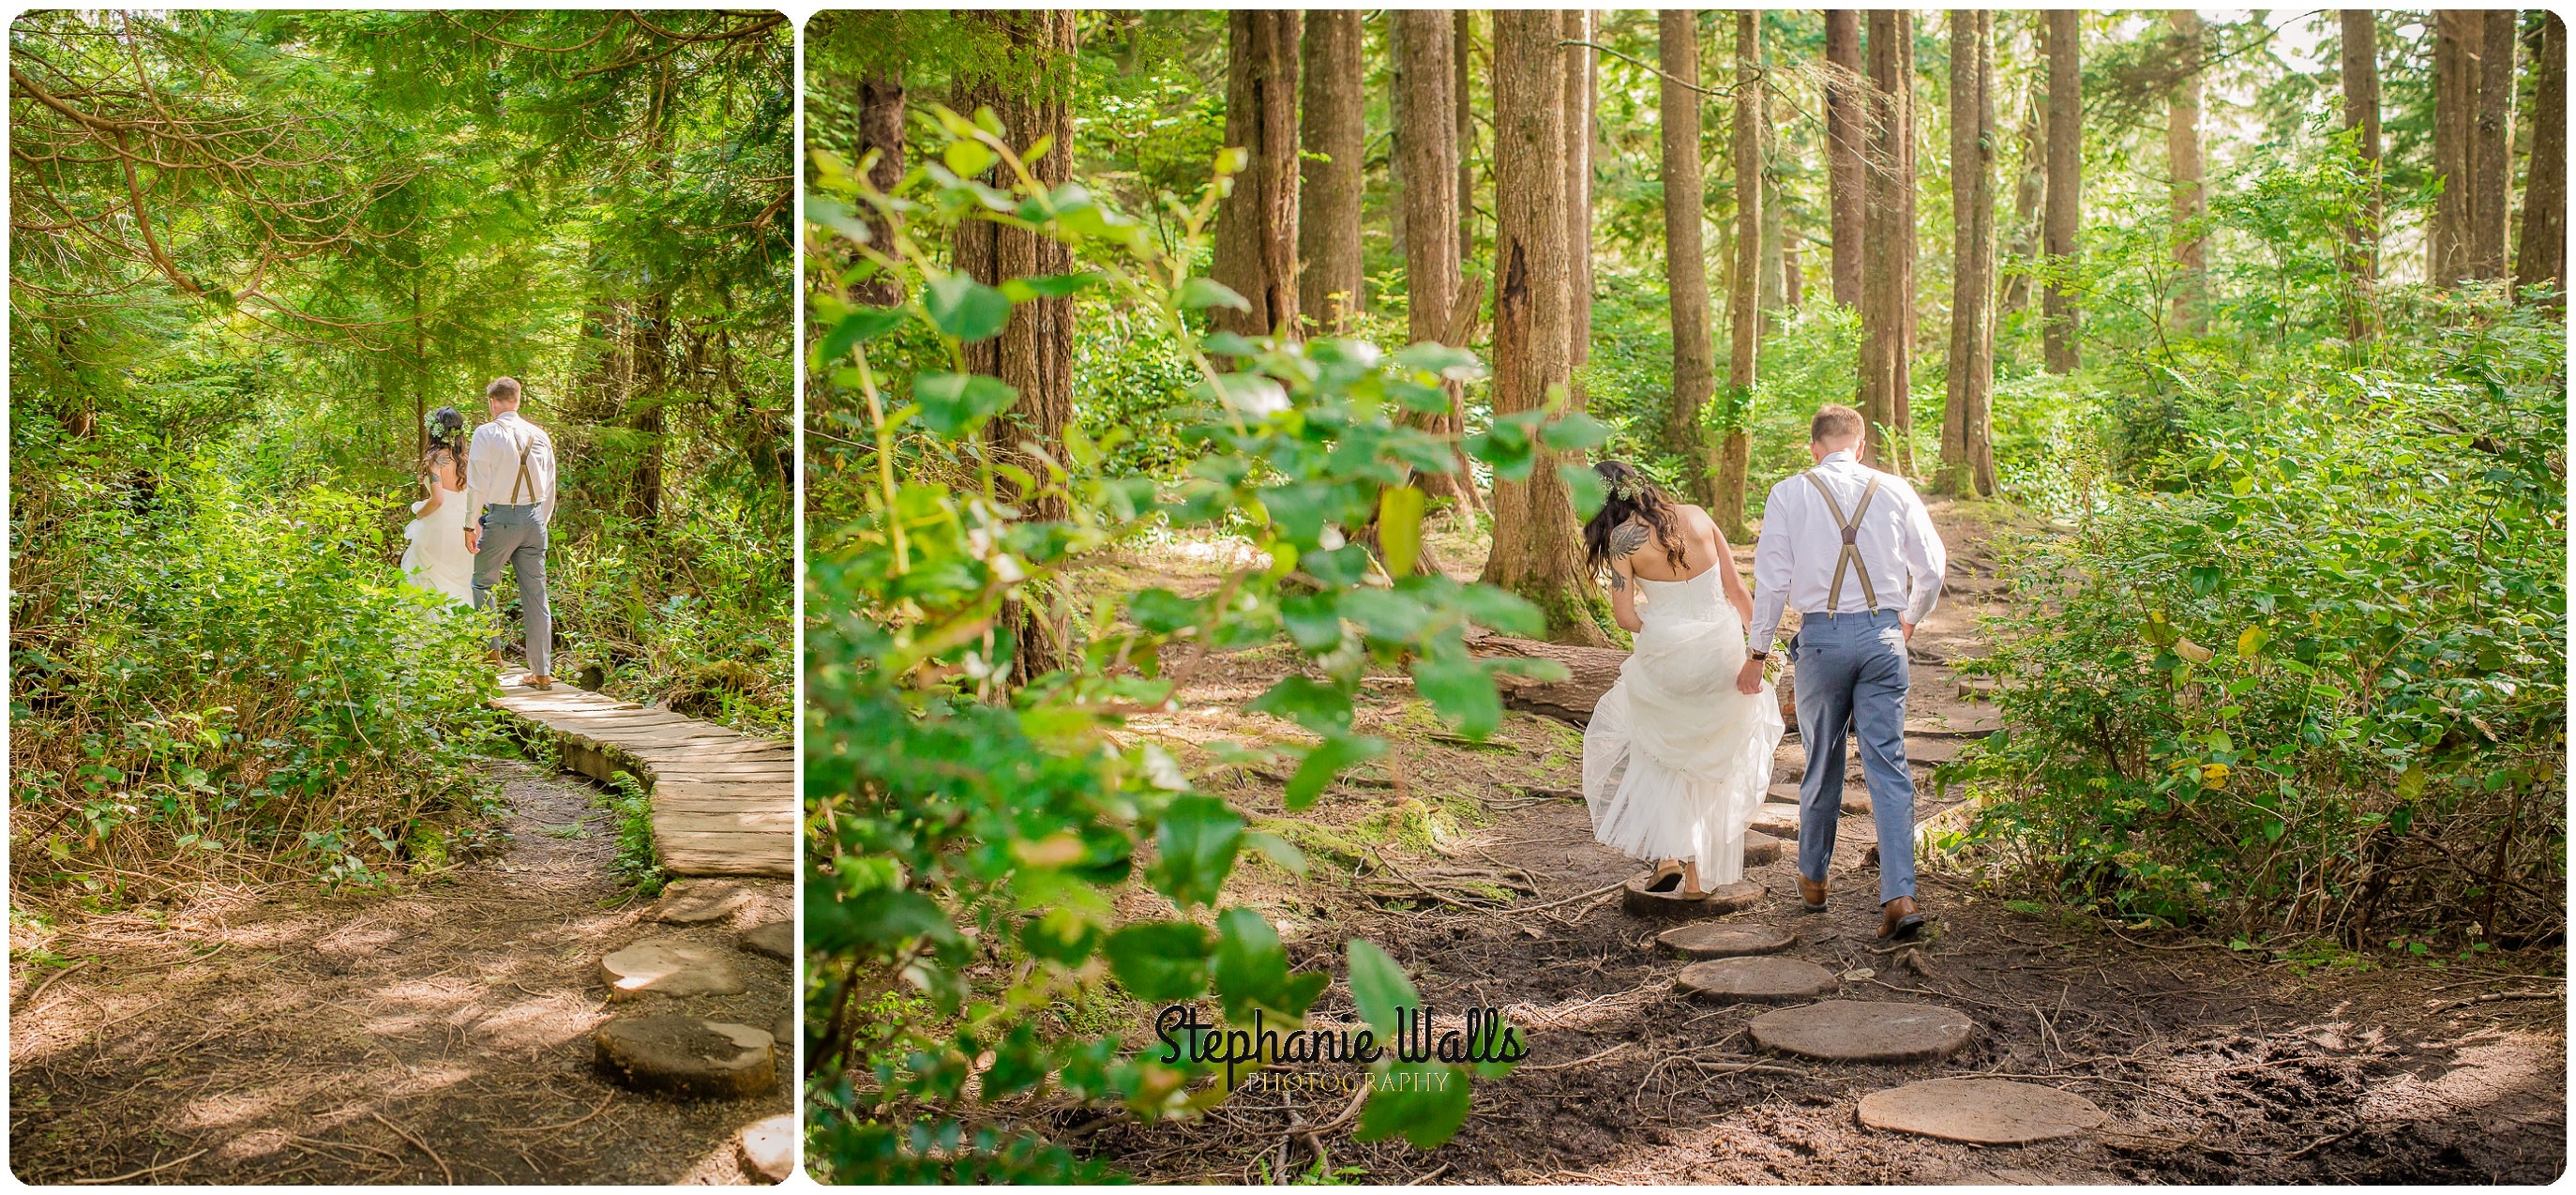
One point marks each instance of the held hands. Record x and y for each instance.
(1909, 629)
(473, 539)
(1749, 680)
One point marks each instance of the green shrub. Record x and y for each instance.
(969, 838)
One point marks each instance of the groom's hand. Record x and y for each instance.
(1749, 680)
(1909, 629)
(473, 540)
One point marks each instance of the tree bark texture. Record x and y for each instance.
(1887, 298)
(2455, 101)
(2360, 62)
(1685, 254)
(2065, 183)
(1967, 443)
(1846, 134)
(1462, 48)
(1333, 71)
(2491, 145)
(1034, 353)
(2184, 195)
(881, 112)
(2541, 257)
(2030, 185)
(1426, 150)
(1744, 281)
(1535, 552)
(1580, 67)
(1256, 223)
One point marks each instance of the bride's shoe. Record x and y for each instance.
(1668, 879)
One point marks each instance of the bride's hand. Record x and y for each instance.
(473, 539)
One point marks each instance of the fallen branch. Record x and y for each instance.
(603, 1106)
(48, 981)
(423, 1145)
(1558, 1066)
(1568, 900)
(93, 1182)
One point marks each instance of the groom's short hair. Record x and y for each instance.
(503, 388)
(1835, 424)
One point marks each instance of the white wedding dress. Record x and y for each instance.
(437, 560)
(1675, 760)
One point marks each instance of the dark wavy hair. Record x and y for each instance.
(446, 430)
(1632, 496)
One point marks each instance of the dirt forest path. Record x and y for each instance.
(440, 1034)
(2214, 1066)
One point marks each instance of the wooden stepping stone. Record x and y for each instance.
(697, 902)
(1726, 941)
(668, 967)
(1864, 1031)
(1980, 1111)
(1933, 750)
(1760, 848)
(1769, 979)
(1776, 820)
(769, 1146)
(1724, 899)
(688, 1056)
(776, 939)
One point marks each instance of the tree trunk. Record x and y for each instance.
(1034, 353)
(2361, 112)
(2030, 184)
(2491, 145)
(1744, 281)
(2184, 194)
(2541, 259)
(1256, 223)
(1887, 298)
(1685, 255)
(1907, 223)
(2455, 101)
(1535, 535)
(1967, 449)
(1426, 152)
(1846, 132)
(1334, 124)
(881, 113)
(2065, 183)
(1580, 66)
(1775, 244)
(1793, 279)
(1462, 48)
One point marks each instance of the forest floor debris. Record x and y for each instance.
(288, 1035)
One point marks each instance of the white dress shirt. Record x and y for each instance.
(1793, 562)
(492, 466)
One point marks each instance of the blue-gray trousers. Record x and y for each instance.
(1851, 672)
(512, 536)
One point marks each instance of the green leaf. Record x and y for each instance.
(1199, 293)
(1450, 363)
(858, 328)
(1379, 986)
(967, 158)
(1501, 611)
(1399, 528)
(878, 919)
(1161, 611)
(1251, 965)
(966, 309)
(1585, 488)
(1459, 688)
(1423, 1102)
(1279, 850)
(1314, 621)
(1194, 850)
(1159, 960)
(1326, 760)
(1574, 430)
(1507, 448)
(1310, 703)
(955, 404)
(1389, 617)
(1060, 935)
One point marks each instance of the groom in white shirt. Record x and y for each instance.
(1855, 552)
(510, 469)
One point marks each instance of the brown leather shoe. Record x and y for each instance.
(539, 680)
(1900, 920)
(1812, 892)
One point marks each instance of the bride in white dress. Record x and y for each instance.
(1675, 759)
(437, 560)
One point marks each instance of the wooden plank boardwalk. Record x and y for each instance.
(724, 803)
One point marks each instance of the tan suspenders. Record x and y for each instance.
(521, 481)
(1850, 557)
